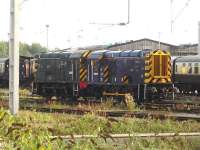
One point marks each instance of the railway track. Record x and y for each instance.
(169, 105)
(177, 107)
(179, 110)
(121, 113)
(136, 135)
(117, 140)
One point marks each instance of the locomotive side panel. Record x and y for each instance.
(51, 76)
(97, 74)
(130, 71)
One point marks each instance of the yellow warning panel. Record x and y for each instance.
(158, 67)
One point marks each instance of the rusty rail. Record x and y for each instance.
(136, 135)
(173, 106)
(122, 113)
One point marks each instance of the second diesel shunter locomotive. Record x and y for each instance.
(103, 72)
(26, 71)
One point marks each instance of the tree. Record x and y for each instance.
(24, 49)
(3, 49)
(36, 48)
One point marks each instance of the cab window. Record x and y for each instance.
(190, 68)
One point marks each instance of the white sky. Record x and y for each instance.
(70, 20)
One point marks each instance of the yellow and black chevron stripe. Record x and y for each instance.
(83, 74)
(124, 79)
(157, 67)
(86, 54)
(106, 74)
(148, 69)
(83, 67)
(169, 69)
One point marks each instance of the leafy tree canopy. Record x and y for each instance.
(24, 49)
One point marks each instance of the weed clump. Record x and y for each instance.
(130, 102)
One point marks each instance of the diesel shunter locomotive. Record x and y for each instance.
(97, 73)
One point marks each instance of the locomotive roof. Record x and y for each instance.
(3, 59)
(97, 54)
(78, 54)
(194, 58)
(132, 53)
(112, 53)
(65, 54)
(137, 53)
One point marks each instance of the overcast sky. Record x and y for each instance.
(70, 21)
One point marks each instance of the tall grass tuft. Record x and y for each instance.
(130, 102)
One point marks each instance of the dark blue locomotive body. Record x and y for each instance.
(94, 73)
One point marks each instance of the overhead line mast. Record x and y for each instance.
(179, 12)
(14, 57)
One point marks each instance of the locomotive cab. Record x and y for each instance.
(95, 61)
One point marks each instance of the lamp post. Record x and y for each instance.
(47, 27)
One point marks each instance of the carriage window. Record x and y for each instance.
(176, 68)
(196, 68)
(183, 69)
(189, 68)
(1, 68)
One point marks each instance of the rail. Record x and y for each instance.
(122, 113)
(136, 135)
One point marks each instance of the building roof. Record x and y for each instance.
(93, 47)
(108, 46)
(131, 41)
(188, 45)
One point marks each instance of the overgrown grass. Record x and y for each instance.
(32, 130)
(90, 124)
(22, 93)
(27, 100)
